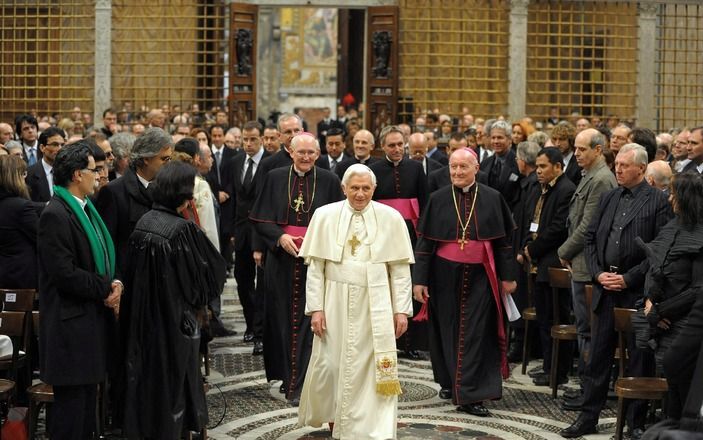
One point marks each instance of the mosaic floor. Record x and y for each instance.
(244, 406)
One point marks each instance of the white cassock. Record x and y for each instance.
(204, 203)
(352, 376)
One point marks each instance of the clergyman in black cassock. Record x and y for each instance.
(467, 333)
(287, 334)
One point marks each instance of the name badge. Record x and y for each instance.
(513, 177)
(534, 226)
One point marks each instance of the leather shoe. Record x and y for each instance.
(543, 380)
(223, 332)
(445, 393)
(413, 355)
(475, 409)
(294, 402)
(582, 426)
(572, 404)
(258, 348)
(282, 389)
(248, 336)
(534, 372)
(636, 434)
(573, 393)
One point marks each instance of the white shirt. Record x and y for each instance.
(28, 147)
(216, 150)
(143, 181)
(700, 168)
(681, 164)
(49, 172)
(484, 152)
(338, 160)
(81, 202)
(256, 159)
(567, 159)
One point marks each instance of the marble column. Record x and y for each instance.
(103, 59)
(269, 70)
(517, 64)
(646, 109)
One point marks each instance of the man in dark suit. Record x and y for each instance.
(618, 267)
(695, 151)
(40, 176)
(244, 168)
(324, 125)
(76, 294)
(546, 210)
(27, 130)
(502, 170)
(432, 151)
(564, 137)
(335, 151)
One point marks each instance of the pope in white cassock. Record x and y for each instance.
(358, 254)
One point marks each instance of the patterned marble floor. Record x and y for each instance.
(243, 405)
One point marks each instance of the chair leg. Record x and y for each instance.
(203, 434)
(554, 367)
(526, 347)
(620, 422)
(33, 416)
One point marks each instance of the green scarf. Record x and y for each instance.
(98, 236)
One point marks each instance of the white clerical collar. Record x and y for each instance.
(47, 167)
(467, 188)
(363, 159)
(82, 202)
(143, 181)
(298, 172)
(257, 157)
(395, 164)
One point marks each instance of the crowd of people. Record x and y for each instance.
(350, 248)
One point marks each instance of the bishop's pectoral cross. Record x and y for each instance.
(299, 202)
(462, 241)
(354, 242)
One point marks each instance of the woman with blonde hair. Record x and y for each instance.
(18, 227)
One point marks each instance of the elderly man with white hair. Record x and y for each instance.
(658, 175)
(358, 254)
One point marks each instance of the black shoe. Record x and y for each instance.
(413, 355)
(582, 426)
(515, 352)
(282, 389)
(573, 393)
(636, 434)
(258, 348)
(223, 332)
(248, 336)
(445, 393)
(543, 380)
(534, 372)
(294, 402)
(475, 409)
(572, 404)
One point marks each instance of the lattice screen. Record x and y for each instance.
(46, 56)
(454, 53)
(582, 57)
(168, 53)
(680, 79)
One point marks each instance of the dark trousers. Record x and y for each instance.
(73, 415)
(246, 272)
(545, 319)
(597, 373)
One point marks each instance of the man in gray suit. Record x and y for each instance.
(596, 180)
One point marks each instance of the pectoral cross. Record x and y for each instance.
(354, 242)
(462, 241)
(299, 202)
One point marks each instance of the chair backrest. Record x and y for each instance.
(18, 300)
(12, 324)
(622, 325)
(559, 278)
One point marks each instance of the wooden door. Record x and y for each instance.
(382, 71)
(242, 63)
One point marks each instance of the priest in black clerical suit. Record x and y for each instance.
(286, 203)
(464, 262)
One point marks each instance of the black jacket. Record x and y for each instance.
(37, 183)
(508, 183)
(244, 198)
(649, 212)
(18, 242)
(72, 343)
(121, 204)
(552, 230)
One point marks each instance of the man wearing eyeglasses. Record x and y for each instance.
(40, 176)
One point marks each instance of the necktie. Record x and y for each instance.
(250, 172)
(495, 172)
(217, 164)
(32, 159)
(333, 165)
(484, 153)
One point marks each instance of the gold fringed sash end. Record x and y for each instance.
(391, 388)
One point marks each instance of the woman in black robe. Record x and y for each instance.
(173, 271)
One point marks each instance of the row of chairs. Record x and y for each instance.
(645, 388)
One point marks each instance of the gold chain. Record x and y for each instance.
(464, 227)
(300, 195)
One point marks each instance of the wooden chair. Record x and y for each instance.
(11, 325)
(528, 315)
(559, 278)
(645, 388)
(20, 300)
(39, 394)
